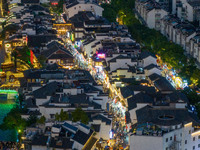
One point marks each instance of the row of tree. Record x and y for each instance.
(152, 40)
(13, 120)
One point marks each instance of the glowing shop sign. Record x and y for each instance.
(7, 45)
(101, 56)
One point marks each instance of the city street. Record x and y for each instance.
(120, 137)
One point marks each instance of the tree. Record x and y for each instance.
(57, 117)
(80, 115)
(41, 120)
(31, 120)
(109, 13)
(62, 116)
(13, 120)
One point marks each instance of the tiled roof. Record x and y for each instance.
(30, 1)
(146, 54)
(165, 116)
(102, 118)
(82, 137)
(139, 98)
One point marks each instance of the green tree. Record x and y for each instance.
(109, 12)
(31, 120)
(13, 120)
(57, 117)
(41, 120)
(63, 115)
(80, 115)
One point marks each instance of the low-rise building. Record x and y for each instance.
(166, 128)
(150, 13)
(72, 7)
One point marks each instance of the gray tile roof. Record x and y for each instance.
(102, 118)
(146, 54)
(47, 90)
(139, 98)
(82, 137)
(61, 143)
(165, 117)
(163, 84)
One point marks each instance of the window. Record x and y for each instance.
(199, 136)
(166, 139)
(181, 135)
(198, 145)
(79, 6)
(193, 138)
(170, 138)
(52, 116)
(185, 141)
(74, 7)
(189, 131)
(167, 148)
(193, 147)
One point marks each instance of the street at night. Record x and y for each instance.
(99, 75)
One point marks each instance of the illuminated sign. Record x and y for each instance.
(111, 134)
(31, 56)
(7, 45)
(54, 3)
(102, 56)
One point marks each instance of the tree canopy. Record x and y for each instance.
(62, 116)
(80, 115)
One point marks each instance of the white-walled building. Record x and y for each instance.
(150, 12)
(72, 7)
(102, 125)
(74, 136)
(194, 49)
(188, 10)
(165, 129)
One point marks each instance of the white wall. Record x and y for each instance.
(77, 145)
(40, 101)
(138, 142)
(133, 112)
(121, 63)
(35, 147)
(104, 130)
(83, 7)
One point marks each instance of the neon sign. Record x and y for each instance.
(102, 56)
